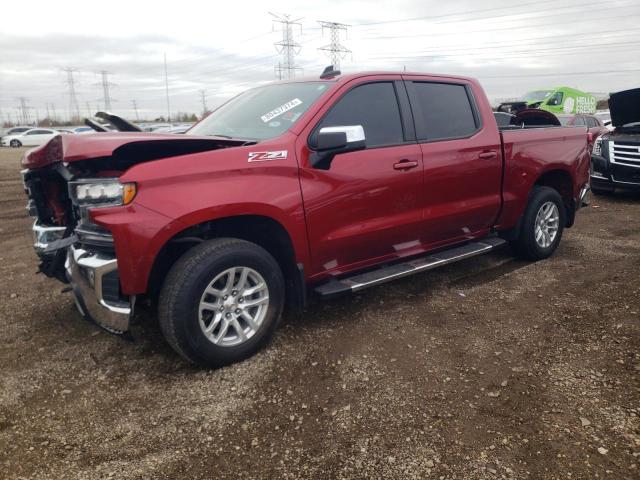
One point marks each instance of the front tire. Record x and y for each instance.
(221, 301)
(542, 225)
(15, 143)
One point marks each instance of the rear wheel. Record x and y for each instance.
(542, 225)
(15, 143)
(221, 301)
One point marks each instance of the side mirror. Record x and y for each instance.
(331, 141)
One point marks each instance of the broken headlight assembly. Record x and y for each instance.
(101, 192)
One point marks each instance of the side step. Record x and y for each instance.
(399, 270)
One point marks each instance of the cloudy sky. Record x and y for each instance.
(222, 48)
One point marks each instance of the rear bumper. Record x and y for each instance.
(94, 280)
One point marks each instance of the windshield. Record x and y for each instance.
(537, 96)
(261, 113)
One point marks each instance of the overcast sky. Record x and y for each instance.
(226, 47)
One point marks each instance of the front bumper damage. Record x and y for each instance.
(94, 279)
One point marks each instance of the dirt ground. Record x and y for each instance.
(490, 368)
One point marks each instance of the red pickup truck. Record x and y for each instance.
(324, 185)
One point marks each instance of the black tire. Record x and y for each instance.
(526, 245)
(15, 143)
(178, 310)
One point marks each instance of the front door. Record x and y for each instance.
(367, 206)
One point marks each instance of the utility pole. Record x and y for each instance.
(88, 109)
(24, 111)
(73, 100)
(53, 112)
(287, 47)
(203, 97)
(166, 86)
(135, 109)
(335, 50)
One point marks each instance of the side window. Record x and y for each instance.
(443, 110)
(591, 122)
(555, 99)
(579, 121)
(375, 107)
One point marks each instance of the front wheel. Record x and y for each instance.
(15, 143)
(542, 225)
(221, 301)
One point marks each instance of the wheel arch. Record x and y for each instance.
(259, 229)
(562, 182)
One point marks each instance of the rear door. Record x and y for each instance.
(462, 159)
(367, 206)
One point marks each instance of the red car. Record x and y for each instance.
(324, 185)
(594, 125)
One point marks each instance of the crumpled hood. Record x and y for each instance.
(143, 145)
(625, 107)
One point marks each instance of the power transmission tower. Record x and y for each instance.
(287, 47)
(135, 109)
(203, 97)
(335, 50)
(88, 109)
(53, 112)
(25, 118)
(71, 85)
(105, 89)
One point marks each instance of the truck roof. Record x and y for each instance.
(344, 78)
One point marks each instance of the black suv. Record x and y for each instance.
(615, 159)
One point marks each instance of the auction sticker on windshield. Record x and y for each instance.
(276, 112)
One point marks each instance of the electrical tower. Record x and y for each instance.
(135, 109)
(166, 86)
(53, 112)
(335, 50)
(24, 116)
(287, 47)
(105, 89)
(73, 99)
(203, 97)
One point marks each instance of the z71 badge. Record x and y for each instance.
(266, 156)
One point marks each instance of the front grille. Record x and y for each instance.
(625, 153)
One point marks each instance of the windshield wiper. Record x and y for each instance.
(220, 135)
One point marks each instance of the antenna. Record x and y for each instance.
(287, 47)
(335, 50)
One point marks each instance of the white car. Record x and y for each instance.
(31, 138)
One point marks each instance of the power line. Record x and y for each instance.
(287, 47)
(335, 50)
(73, 99)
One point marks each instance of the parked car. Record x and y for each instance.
(616, 155)
(325, 186)
(30, 138)
(16, 130)
(594, 125)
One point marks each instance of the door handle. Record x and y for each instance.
(487, 155)
(405, 165)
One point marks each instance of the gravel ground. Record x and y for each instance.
(490, 368)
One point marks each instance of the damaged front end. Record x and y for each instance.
(74, 250)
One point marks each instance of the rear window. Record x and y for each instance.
(442, 111)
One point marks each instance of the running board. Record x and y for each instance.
(399, 270)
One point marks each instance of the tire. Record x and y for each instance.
(15, 143)
(530, 244)
(187, 309)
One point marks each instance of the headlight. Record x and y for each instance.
(101, 192)
(597, 147)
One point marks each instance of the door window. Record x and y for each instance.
(375, 107)
(579, 121)
(442, 111)
(555, 99)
